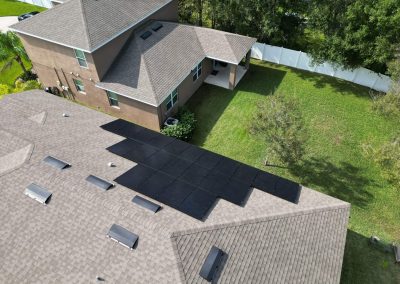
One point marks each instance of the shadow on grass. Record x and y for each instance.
(365, 263)
(343, 181)
(210, 102)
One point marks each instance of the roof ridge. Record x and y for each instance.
(308, 211)
(146, 69)
(85, 23)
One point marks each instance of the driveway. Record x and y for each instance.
(5, 22)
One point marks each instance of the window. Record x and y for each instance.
(80, 55)
(197, 71)
(112, 98)
(79, 86)
(172, 99)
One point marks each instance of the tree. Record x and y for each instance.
(387, 156)
(12, 49)
(388, 104)
(279, 122)
(356, 32)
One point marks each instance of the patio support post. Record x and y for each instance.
(248, 56)
(232, 76)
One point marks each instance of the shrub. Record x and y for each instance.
(28, 76)
(21, 86)
(184, 129)
(4, 89)
(388, 105)
(387, 156)
(279, 122)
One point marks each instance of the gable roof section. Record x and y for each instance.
(88, 24)
(166, 59)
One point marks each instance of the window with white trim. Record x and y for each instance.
(79, 86)
(172, 99)
(80, 56)
(197, 71)
(112, 98)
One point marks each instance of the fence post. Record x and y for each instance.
(280, 56)
(374, 83)
(298, 59)
(263, 51)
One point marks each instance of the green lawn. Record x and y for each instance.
(339, 120)
(16, 8)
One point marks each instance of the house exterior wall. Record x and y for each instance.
(186, 89)
(129, 109)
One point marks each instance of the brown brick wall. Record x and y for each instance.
(186, 89)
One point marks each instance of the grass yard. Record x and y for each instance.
(9, 75)
(339, 120)
(16, 8)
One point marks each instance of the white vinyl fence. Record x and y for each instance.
(301, 60)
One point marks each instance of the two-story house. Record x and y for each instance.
(130, 58)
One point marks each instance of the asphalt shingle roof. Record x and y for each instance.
(269, 240)
(167, 57)
(88, 24)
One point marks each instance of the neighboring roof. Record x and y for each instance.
(269, 240)
(88, 24)
(149, 70)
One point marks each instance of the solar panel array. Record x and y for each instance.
(186, 177)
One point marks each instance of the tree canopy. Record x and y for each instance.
(349, 32)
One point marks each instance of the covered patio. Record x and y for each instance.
(227, 75)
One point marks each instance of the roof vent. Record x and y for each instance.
(122, 236)
(145, 35)
(146, 204)
(156, 26)
(56, 163)
(38, 193)
(211, 263)
(100, 183)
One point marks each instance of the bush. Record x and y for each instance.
(184, 129)
(28, 76)
(279, 122)
(4, 89)
(388, 105)
(387, 156)
(21, 86)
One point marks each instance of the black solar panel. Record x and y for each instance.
(186, 177)
(54, 162)
(209, 160)
(146, 204)
(135, 176)
(176, 147)
(175, 193)
(211, 264)
(100, 183)
(198, 204)
(145, 35)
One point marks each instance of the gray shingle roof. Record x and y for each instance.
(88, 24)
(167, 57)
(267, 240)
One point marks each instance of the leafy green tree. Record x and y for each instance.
(356, 32)
(387, 156)
(388, 104)
(11, 49)
(279, 122)
(21, 86)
